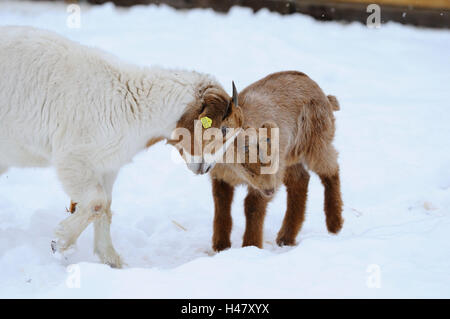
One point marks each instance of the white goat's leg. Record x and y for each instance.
(85, 186)
(103, 246)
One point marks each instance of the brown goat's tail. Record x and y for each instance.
(334, 102)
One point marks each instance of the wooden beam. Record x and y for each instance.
(428, 13)
(435, 4)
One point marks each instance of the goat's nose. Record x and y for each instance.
(196, 168)
(269, 192)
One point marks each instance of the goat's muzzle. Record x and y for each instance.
(200, 168)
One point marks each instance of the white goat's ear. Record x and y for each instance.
(235, 95)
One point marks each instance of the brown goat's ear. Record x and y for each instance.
(215, 102)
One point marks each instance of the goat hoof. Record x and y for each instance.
(115, 265)
(61, 247)
(57, 247)
(113, 261)
(54, 246)
(59, 253)
(285, 241)
(334, 225)
(109, 257)
(220, 246)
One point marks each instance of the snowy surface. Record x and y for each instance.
(393, 136)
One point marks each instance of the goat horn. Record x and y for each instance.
(235, 95)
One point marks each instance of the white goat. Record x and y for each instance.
(87, 114)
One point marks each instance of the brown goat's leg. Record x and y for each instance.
(324, 163)
(255, 210)
(333, 202)
(296, 180)
(223, 197)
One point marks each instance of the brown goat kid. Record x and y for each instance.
(295, 104)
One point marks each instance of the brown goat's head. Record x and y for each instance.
(201, 132)
(261, 165)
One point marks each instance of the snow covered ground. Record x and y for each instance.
(393, 135)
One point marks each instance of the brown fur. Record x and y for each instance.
(296, 105)
(153, 141)
(73, 207)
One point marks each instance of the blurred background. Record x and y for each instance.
(430, 13)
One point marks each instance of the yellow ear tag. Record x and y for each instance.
(206, 122)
